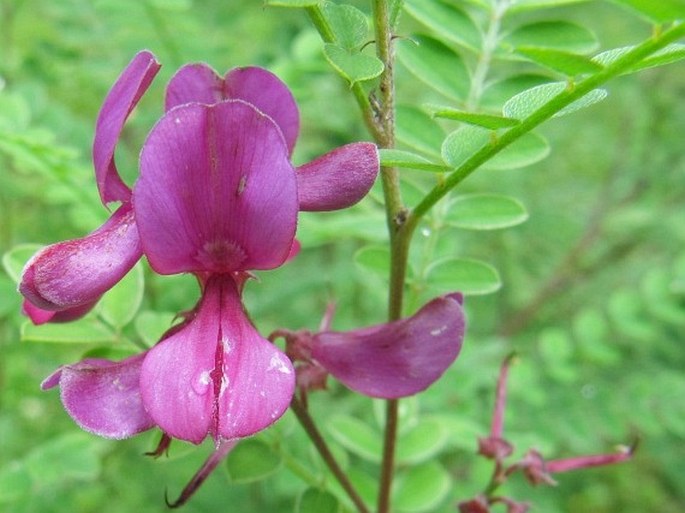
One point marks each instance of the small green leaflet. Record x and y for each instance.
(349, 24)
(569, 64)
(471, 277)
(486, 212)
(409, 160)
(291, 3)
(669, 54)
(354, 67)
(524, 104)
(488, 121)
(558, 35)
(447, 21)
(659, 11)
(436, 65)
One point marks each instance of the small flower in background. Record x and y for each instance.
(532, 465)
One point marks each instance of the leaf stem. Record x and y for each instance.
(485, 57)
(308, 424)
(542, 114)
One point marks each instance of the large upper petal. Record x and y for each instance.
(399, 358)
(216, 191)
(216, 376)
(77, 272)
(102, 396)
(339, 178)
(120, 101)
(200, 83)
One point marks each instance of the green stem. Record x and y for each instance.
(325, 30)
(485, 58)
(395, 217)
(541, 115)
(308, 424)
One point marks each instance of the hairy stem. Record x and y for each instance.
(396, 217)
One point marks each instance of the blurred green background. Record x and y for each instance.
(593, 295)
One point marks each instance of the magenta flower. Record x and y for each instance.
(218, 197)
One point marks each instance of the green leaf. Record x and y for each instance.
(659, 11)
(486, 212)
(461, 144)
(83, 331)
(556, 349)
(150, 326)
(669, 54)
(488, 121)
(422, 442)
(72, 456)
(418, 130)
(558, 35)
(356, 436)
(15, 483)
(661, 299)
(354, 67)
(591, 332)
(15, 259)
(375, 259)
(497, 93)
(252, 460)
(292, 3)
(525, 151)
(531, 5)
(119, 305)
(422, 488)
(436, 65)
(316, 500)
(448, 21)
(471, 277)
(349, 24)
(524, 104)
(406, 159)
(569, 64)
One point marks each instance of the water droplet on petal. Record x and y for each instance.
(278, 364)
(201, 383)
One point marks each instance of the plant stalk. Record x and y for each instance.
(308, 424)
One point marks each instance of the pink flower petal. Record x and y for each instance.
(396, 359)
(339, 178)
(217, 375)
(39, 316)
(102, 396)
(200, 83)
(76, 273)
(122, 98)
(216, 191)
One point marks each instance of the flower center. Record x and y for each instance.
(220, 256)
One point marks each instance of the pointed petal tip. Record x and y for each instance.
(122, 98)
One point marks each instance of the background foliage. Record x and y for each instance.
(592, 290)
